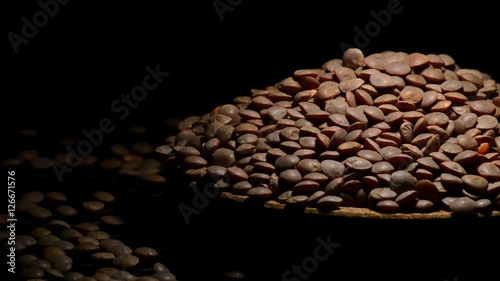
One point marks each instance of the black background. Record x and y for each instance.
(67, 76)
(65, 79)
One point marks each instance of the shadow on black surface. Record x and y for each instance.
(271, 245)
(268, 244)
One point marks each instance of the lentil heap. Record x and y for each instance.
(392, 131)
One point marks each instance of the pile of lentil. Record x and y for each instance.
(391, 131)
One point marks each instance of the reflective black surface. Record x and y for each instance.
(68, 76)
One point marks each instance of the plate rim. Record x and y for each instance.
(356, 212)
